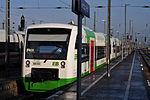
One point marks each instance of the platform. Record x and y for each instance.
(126, 83)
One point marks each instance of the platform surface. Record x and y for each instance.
(126, 83)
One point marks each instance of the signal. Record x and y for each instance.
(145, 39)
(21, 27)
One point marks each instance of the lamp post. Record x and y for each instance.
(94, 21)
(3, 25)
(146, 7)
(108, 38)
(145, 39)
(84, 20)
(125, 24)
(104, 26)
(7, 34)
(125, 27)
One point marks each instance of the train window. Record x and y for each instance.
(118, 49)
(101, 52)
(47, 43)
(13, 47)
(2, 46)
(114, 49)
(49, 31)
(76, 45)
(109, 49)
(46, 50)
(85, 52)
(21, 46)
(45, 37)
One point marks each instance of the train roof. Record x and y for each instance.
(2, 35)
(13, 37)
(56, 25)
(100, 39)
(69, 26)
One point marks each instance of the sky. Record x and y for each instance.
(140, 17)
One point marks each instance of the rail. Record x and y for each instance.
(146, 57)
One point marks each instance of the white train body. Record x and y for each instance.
(15, 48)
(50, 55)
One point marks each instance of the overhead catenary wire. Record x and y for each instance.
(26, 17)
(1, 3)
(33, 19)
(64, 7)
(58, 7)
(64, 3)
(68, 6)
(91, 18)
(101, 6)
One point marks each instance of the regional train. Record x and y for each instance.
(15, 48)
(50, 55)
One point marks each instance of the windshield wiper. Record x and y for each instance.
(45, 61)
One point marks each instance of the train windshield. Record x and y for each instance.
(47, 43)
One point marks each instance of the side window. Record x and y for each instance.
(76, 44)
(101, 52)
(114, 49)
(22, 46)
(2, 47)
(13, 47)
(109, 49)
(118, 49)
(85, 52)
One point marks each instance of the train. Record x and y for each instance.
(50, 55)
(15, 48)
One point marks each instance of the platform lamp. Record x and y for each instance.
(108, 35)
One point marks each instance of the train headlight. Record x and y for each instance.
(27, 63)
(63, 64)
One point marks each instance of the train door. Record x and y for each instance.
(92, 55)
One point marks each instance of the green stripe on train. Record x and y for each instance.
(102, 65)
(50, 85)
(89, 34)
(46, 85)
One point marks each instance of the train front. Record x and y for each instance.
(45, 58)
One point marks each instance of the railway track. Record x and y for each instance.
(145, 64)
(146, 57)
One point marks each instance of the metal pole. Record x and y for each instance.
(7, 34)
(108, 38)
(129, 49)
(104, 26)
(122, 46)
(130, 27)
(125, 22)
(121, 38)
(3, 25)
(125, 27)
(84, 20)
(135, 40)
(132, 36)
(94, 21)
(79, 37)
